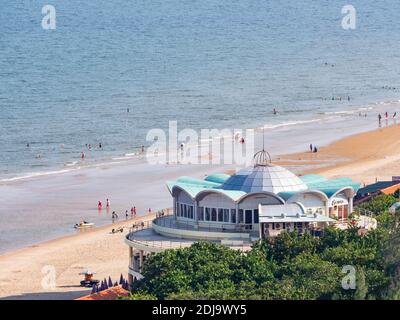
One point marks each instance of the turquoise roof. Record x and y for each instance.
(216, 183)
(194, 189)
(217, 177)
(329, 187)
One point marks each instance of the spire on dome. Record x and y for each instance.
(262, 158)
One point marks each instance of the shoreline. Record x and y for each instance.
(107, 253)
(75, 164)
(67, 183)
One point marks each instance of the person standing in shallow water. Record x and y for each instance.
(108, 203)
(311, 147)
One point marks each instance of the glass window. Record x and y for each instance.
(181, 211)
(191, 212)
(233, 215)
(256, 219)
(249, 217)
(185, 211)
(220, 215)
(240, 216)
(200, 213)
(208, 214)
(213, 214)
(226, 215)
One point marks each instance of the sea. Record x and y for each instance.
(111, 71)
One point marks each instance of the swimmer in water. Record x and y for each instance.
(275, 112)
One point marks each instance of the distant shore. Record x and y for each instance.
(364, 157)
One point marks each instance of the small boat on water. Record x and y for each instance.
(83, 225)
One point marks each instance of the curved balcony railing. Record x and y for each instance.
(170, 222)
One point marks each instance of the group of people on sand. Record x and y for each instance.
(114, 215)
(313, 149)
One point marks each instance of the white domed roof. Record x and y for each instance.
(268, 178)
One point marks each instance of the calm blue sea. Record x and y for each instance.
(208, 64)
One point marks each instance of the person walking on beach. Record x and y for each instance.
(108, 203)
(114, 215)
(134, 212)
(142, 148)
(311, 147)
(126, 214)
(99, 205)
(315, 149)
(379, 118)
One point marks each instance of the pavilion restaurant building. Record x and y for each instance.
(257, 202)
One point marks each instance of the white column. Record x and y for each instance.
(350, 209)
(175, 207)
(141, 260)
(130, 257)
(196, 214)
(327, 208)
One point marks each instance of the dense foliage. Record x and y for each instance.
(286, 267)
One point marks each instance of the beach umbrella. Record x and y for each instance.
(101, 286)
(110, 283)
(126, 285)
(121, 279)
(94, 289)
(105, 284)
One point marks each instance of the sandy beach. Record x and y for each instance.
(363, 157)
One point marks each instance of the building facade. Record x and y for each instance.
(257, 202)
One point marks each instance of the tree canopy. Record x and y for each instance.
(288, 266)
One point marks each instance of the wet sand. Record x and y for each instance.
(364, 157)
